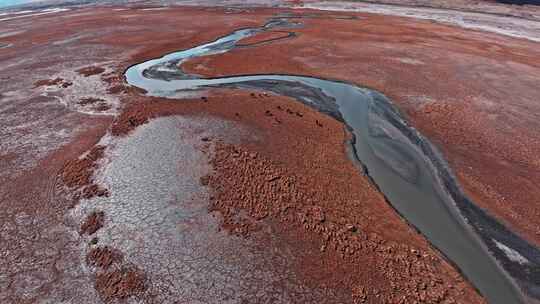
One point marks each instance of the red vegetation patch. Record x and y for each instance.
(104, 257)
(117, 84)
(117, 89)
(248, 183)
(94, 190)
(78, 173)
(131, 118)
(99, 104)
(91, 70)
(120, 284)
(51, 82)
(93, 223)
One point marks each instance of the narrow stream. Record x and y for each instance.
(401, 162)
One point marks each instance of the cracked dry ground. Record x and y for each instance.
(241, 197)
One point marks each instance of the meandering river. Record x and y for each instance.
(401, 162)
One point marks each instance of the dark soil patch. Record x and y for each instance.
(90, 100)
(91, 70)
(53, 82)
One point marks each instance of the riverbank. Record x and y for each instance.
(501, 242)
(469, 120)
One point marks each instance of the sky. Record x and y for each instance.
(4, 3)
